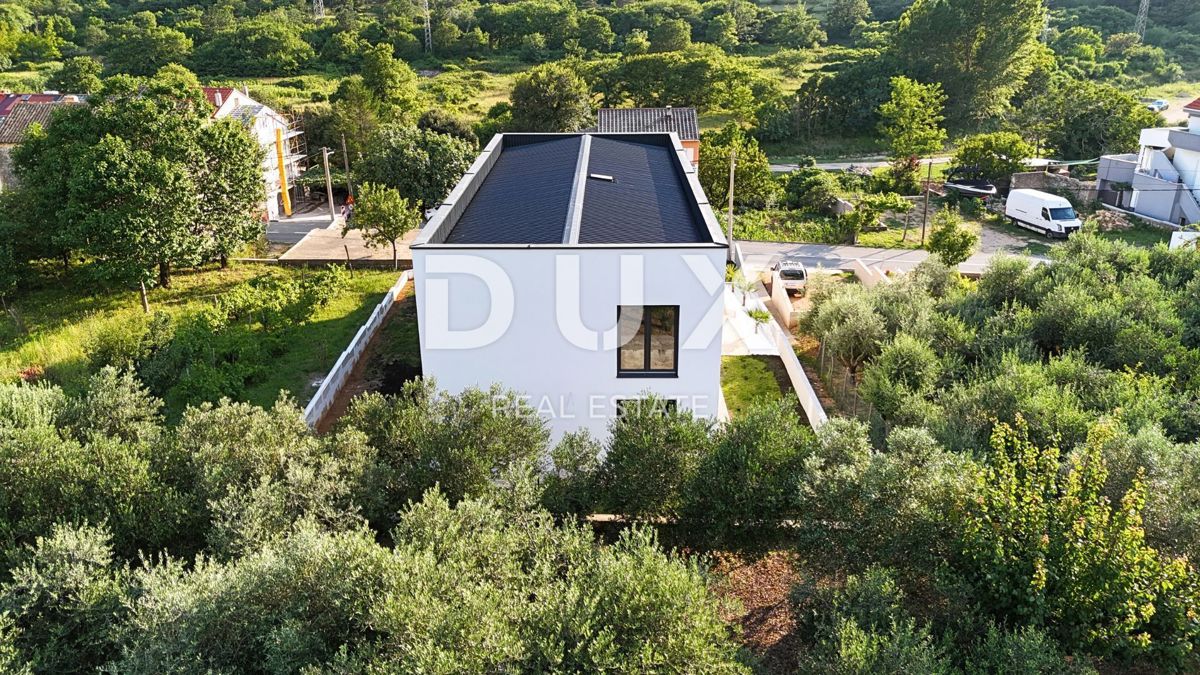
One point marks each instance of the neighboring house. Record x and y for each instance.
(680, 121)
(1162, 181)
(582, 270)
(18, 112)
(269, 128)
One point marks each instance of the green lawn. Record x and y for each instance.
(1141, 235)
(58, 323)
(747, 380)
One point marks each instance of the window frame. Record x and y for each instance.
(647, 371)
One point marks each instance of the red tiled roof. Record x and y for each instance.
(10, 100)
(211, 94)
(1194, 106)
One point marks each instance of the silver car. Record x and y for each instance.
(792, 274)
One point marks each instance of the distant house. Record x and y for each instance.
(273, 132)
(679, 121)
(18, 112)
(582, 270)
(1162, 180)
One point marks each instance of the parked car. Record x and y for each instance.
(792, 274)
(1042, 212)
(1158, 105)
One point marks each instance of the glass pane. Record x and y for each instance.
(632, 339)
(662, 337)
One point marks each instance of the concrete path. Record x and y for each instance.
(291, 229)
(761, 254)
(326, 245)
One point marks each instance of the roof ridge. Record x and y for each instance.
(575, 203)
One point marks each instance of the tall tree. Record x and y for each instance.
(1091, 119)
(551, 97)
(383, 216)
(754, 185)
(134, 179)
(671, 35)
(844, 16)
(912, 121)
(391, 80)
(979, 50)
(226, 178)
(79, 75)
(423, 165)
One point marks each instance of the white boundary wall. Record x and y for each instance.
(332, 384)
(813, 409)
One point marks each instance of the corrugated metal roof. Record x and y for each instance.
(646, 202)
(557, 189)
(525, 197)
(649, 120)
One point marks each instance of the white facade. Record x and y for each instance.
(554, 350)
(262, 122)
(1161, 181)
(542, 319)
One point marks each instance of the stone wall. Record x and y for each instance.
(1078, 191)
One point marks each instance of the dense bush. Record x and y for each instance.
(425, 438)
(465, 589)
(654, 451)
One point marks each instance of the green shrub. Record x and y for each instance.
(863, 628)
(67, 594)
(748, 480)
(1025, 650)
(653, 452)
(1049, 549)
(423, 437)
(570, 483)
(467, 589)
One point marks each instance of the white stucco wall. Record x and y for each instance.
(574, 386)
(1187, 162)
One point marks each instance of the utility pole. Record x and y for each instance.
(925, 214)
(1143, 15)
(325, 153)
(346, 163)
(732, 168)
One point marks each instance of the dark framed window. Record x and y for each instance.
(648, 339)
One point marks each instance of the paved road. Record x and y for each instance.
(291, 229)
(762, 254)
(872, 162)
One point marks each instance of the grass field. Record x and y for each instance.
(746, 380)
(56, 323)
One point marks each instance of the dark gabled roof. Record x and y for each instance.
(1193, 107)
(525, 196)
(23, 115)
(576, 189)
(646, 202)
(649, 120)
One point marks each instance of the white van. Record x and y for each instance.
(1042, 212)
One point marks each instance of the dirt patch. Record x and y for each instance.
(761, 587)
(391, 358)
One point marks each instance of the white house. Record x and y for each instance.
(582, 270)
(1162, 181)
(274, 133)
